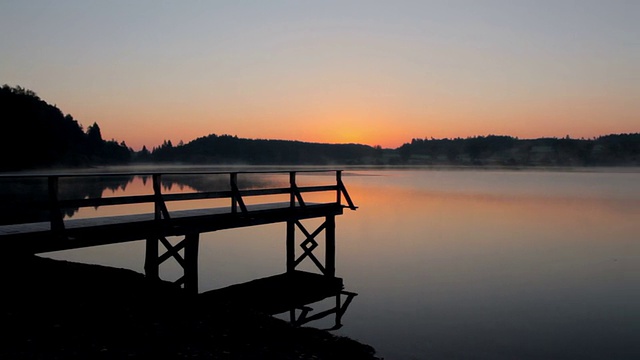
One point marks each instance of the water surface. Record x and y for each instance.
(462, 264)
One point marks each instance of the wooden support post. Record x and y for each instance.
(330, 250)
(151, 264)
(191, 263)
(291, 249)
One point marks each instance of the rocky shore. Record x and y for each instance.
(63, 310)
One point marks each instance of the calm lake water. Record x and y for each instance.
(461, 264)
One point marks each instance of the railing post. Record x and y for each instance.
(160, 208)
(233, 183)
(236, 198)
(295, 193)
(292, 187)
(55, 214)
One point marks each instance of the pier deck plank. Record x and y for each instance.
(39, 237)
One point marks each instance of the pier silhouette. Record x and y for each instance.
(249, 202)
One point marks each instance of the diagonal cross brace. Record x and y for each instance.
(187, 260)
(308, 251)
(172, 251)
(339, 310)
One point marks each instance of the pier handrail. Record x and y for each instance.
(55, 205)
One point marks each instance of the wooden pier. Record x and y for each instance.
(246, 206)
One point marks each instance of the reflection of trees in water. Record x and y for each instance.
(221, 182)
(26, 199)
(91, 187)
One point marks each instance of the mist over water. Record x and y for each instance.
(495, 265)
(463, 264)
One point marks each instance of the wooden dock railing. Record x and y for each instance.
(58, 233)
(236, 196)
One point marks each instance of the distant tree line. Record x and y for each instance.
(496, 150)
(608, 150)
(36, 134)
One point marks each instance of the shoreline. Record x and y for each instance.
(68, 310)
(344, 167)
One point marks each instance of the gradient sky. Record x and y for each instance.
(372, 72)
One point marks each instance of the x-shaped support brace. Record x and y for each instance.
(188, 260)
(173, 251)
(309, 244)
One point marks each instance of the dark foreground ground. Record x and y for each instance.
(62, 310)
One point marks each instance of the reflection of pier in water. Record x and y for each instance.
(290, 292)
(245, 206)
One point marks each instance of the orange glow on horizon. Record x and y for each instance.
(383, 132)
(389, 125)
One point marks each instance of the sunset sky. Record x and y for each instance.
(372, 72)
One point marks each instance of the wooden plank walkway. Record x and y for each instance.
(39, 237)
(63, 234)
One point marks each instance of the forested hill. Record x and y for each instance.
(227, 149)
(608, 150)
(36, 134)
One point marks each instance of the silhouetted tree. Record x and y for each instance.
(36, 134)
